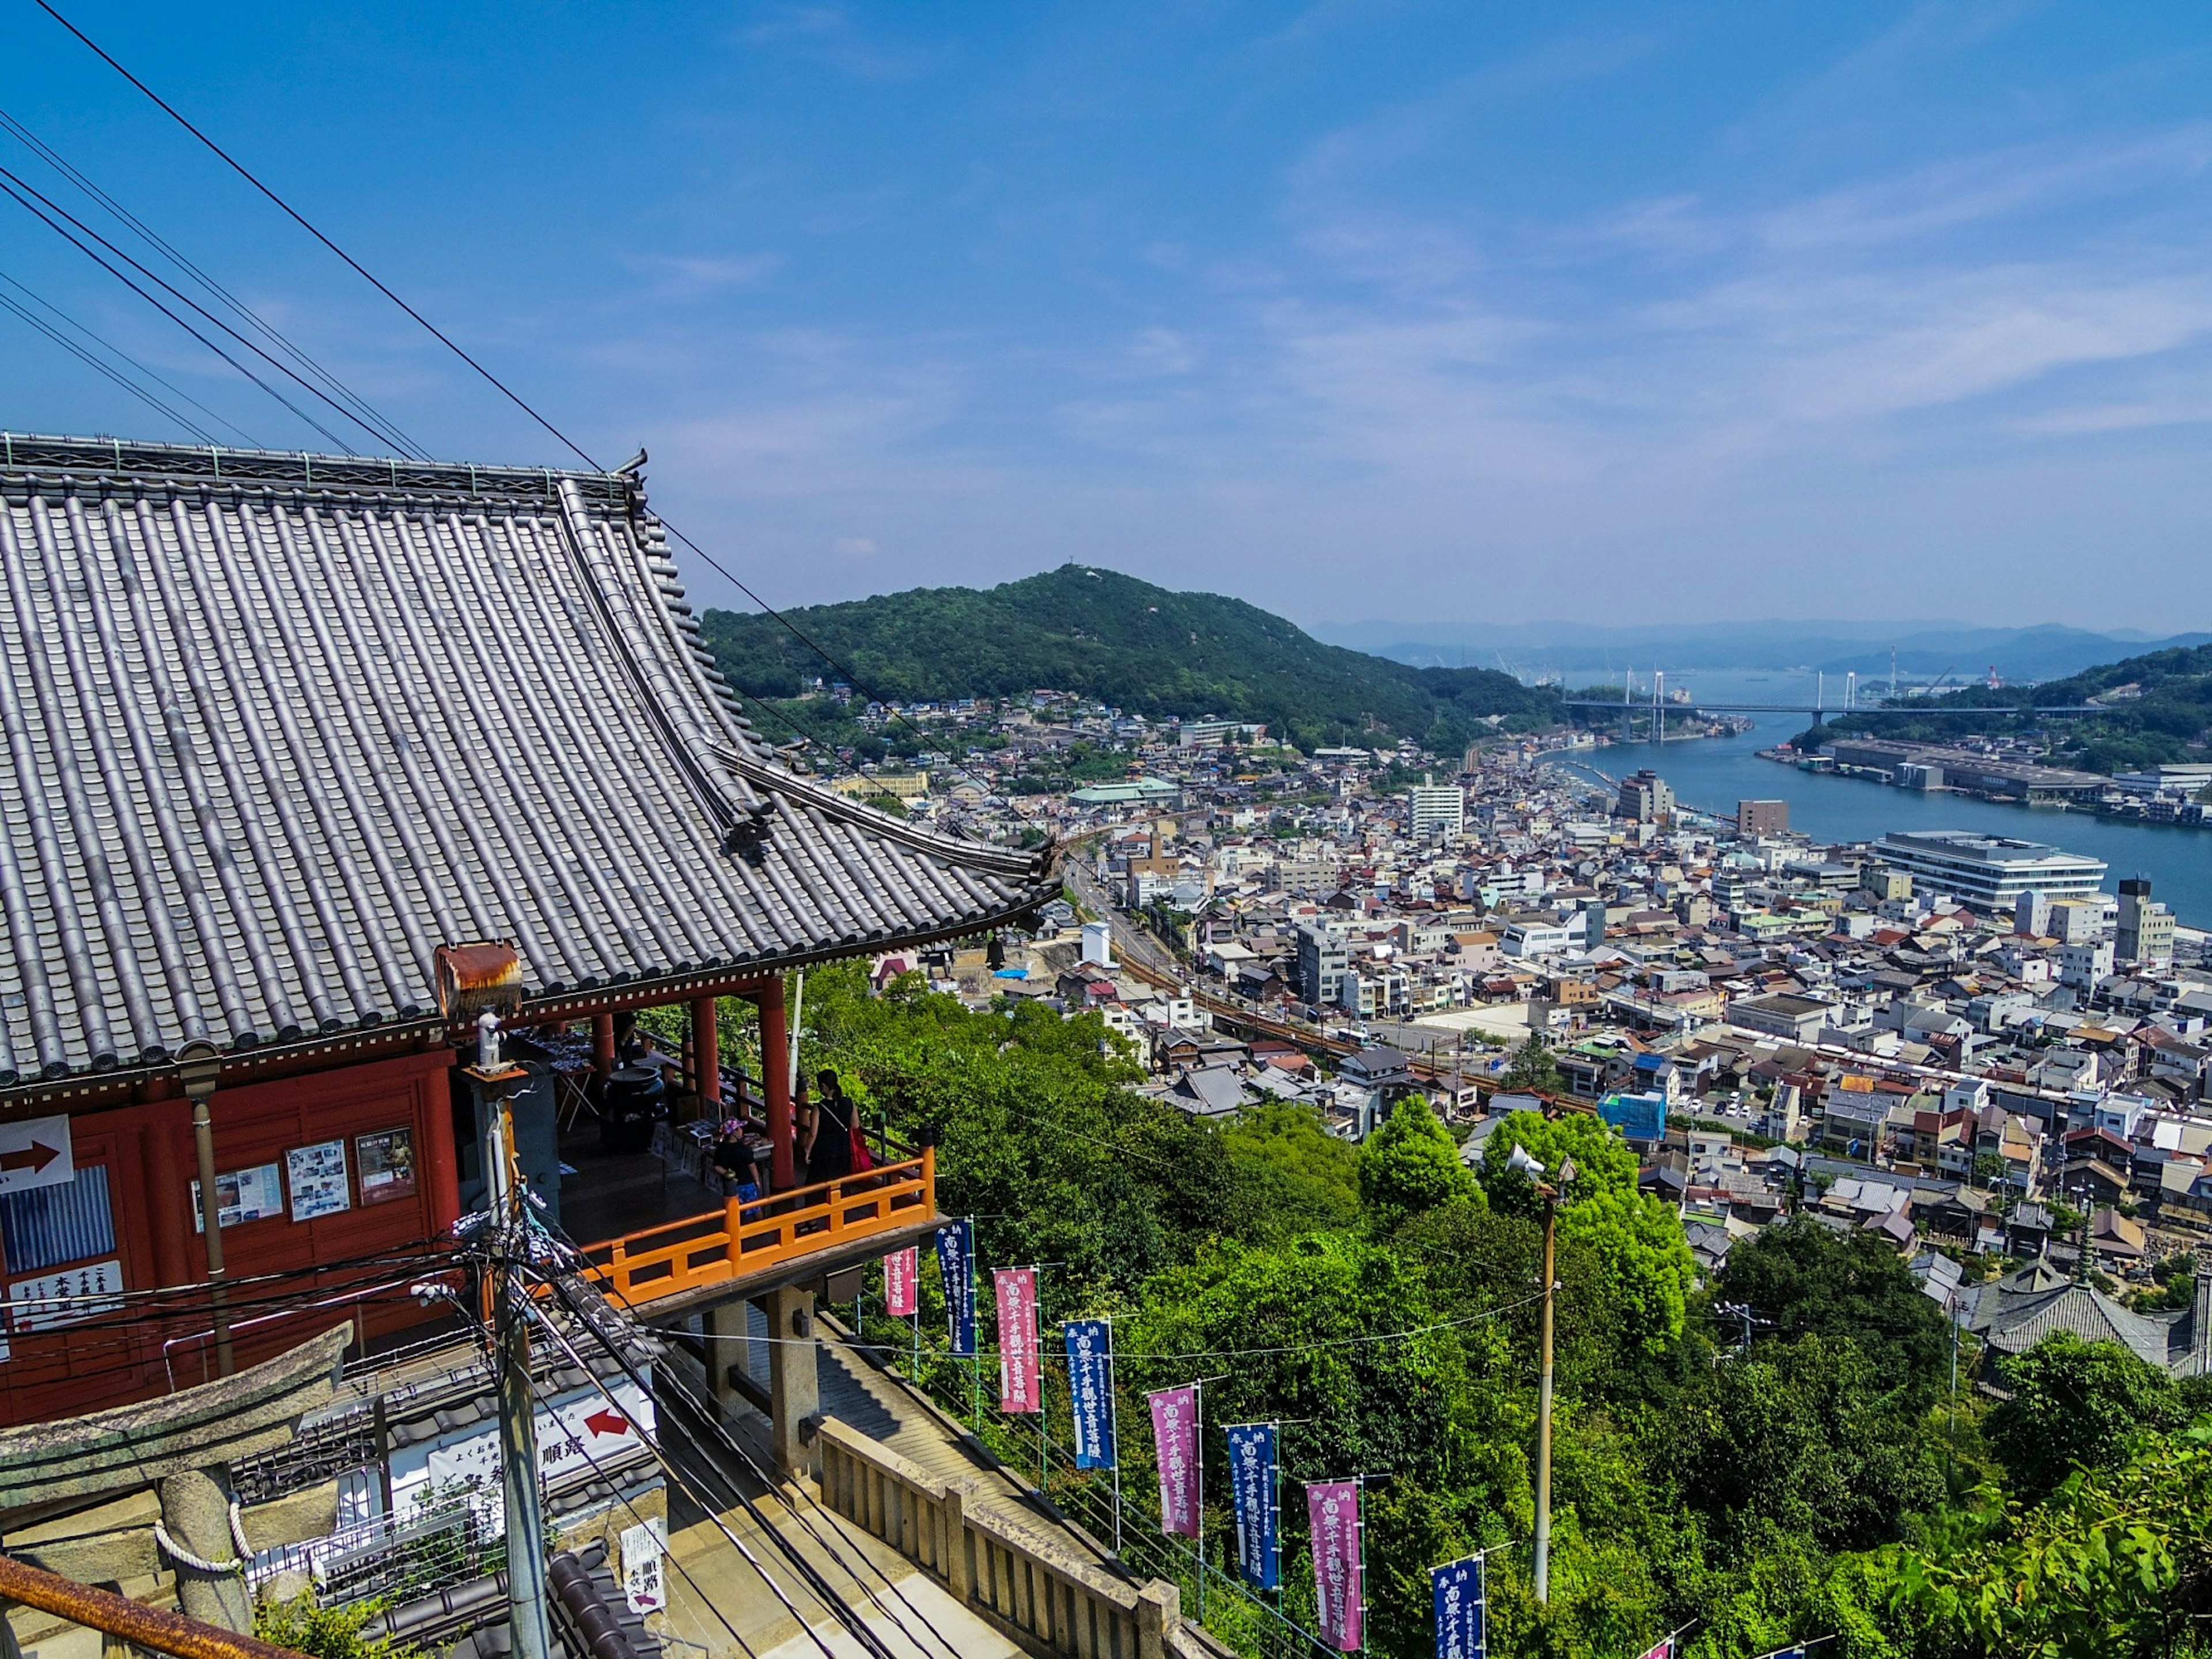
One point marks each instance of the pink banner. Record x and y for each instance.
(1018, 1389)
(1174, 1433)
(902, 1275)
(1664, 1651)
(1333, 1517)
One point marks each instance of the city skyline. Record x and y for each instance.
(1360, 313)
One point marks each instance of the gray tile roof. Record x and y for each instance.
(277, 725)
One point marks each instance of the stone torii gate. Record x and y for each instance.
(117, 1495)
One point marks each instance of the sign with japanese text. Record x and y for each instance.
(1091, 1390)
(1252, 1483)
(956, 1263)
(1019, 1382)
(1457, 1588)
(902, 1271)
(1175, 1436)
(1333, 1516)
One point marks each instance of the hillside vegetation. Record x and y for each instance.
(1812, 1476)
(2157, 706)
(1128, 644)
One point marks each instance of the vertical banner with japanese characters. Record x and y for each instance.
(1458, 1590)
(1252, 1483)
(1333, 1516)
(1174, 1434)
(1091, 1390)
(1016, 1291)
(955, 1261)
(901, 1270)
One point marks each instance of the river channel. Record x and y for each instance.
(1714, 774)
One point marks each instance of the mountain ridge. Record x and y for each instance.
(1153, 650)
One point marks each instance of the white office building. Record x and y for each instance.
(1439, 811)
(1989, 873)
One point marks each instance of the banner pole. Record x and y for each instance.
(1359, 1538)
(1198, 1450)
(1114, 1408)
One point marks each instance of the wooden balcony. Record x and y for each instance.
(750, 1246)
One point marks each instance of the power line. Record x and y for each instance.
(506, 391)
(182, 298)
(238, 169)
(93, 362)
(62, 164)
(62, 231)
(110, 346)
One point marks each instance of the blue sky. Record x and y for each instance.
(1424, 312)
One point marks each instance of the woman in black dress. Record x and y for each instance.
(829, 1131)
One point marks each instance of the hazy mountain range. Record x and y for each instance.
(1924, 650)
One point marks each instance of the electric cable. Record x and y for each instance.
(806, 1571)
(62, 164)
(22, 185)
(107, 345)
(483, 1334)
(98, 367)
(828, 1548)
(506, 391)
(32, 207)
(238, 169)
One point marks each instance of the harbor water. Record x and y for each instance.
(1713, 774)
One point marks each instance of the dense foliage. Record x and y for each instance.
(2154, 707)
(1128, 644)
(1776, 1457)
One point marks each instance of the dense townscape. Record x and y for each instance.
(1961, 1044)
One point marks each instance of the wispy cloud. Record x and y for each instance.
(831, 36)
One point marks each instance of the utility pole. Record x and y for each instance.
(496, 1080)
(482, 983)
(1550, 1193)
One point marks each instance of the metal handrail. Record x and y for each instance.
(116, 1615)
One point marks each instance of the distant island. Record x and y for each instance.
(2155, 709)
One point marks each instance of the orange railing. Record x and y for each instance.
(751, 1236)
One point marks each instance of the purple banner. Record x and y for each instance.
(1018, 1340)
(1174, 1433)
(1333, 1516)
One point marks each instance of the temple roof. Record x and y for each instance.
(277, 725)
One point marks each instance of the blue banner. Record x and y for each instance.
(956, 1263)
(1461, 1624)
(1252, 1483)
(1090, 1386)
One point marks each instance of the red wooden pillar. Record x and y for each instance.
(775, 1078)
(603, 1046)
(706, 1055)
(441, 1171)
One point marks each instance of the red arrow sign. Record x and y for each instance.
(607, 1422)
(33, 1158)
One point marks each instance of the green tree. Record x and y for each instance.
(1803, 1278)
(1532, 1071)
(2073, 1405)
(327, 1633)
(1640, 1258)
(1296, 1177)
(1411, 1164)
(2115, 1565)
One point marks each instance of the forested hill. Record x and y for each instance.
(2158, 707)
(1129, 644)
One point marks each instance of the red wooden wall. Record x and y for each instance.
(111, 1357)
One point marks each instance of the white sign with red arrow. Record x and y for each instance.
(35, 1153)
